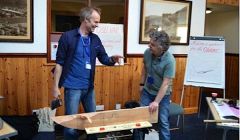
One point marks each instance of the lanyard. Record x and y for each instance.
(86, 45)
(86, 41)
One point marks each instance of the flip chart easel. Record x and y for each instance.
(205, 63)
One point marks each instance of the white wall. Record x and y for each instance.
(224, 24)
(40, 33)
(40, 29)
(197, 26)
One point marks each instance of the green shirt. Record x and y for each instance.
(158, 68)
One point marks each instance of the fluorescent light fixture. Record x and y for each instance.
(208, 10)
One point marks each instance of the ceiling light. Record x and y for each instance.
(208, 10)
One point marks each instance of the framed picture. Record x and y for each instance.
(16, 21)
(172, 16)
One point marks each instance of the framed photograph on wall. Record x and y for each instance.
(16, 21)
(172, 16)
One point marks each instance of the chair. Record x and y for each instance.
(176, 110)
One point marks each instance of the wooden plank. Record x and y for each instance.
(44, 83)
(135, 80)
(111, 90)
(105, 118)
(221, 121)
(32, 79)
(118, 88)
(7, 131)
(39, 91)
(190, 110)
(106, 87)
(118, 127)
(21, 87)
(98, 85)
(49, 86)
(130, 73)
(232, 72)
(126, 82)
(11, 93)
(2, 83)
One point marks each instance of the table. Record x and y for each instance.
(217, 115)
(7, 131)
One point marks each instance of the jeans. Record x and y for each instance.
(72, 100)
(163, 115)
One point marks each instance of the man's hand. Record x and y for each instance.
(56, 92)
(153, 106)
(85, 117)
(140, 89)
(116, 58)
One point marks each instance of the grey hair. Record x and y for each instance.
(162, 39)
(86, 13)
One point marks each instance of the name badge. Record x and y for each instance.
(88, 65)
(150, 80)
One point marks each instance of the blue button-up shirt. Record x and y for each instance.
(68, 43)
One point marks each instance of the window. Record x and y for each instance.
(63, 15)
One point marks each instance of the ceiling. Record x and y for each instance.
(221, 8)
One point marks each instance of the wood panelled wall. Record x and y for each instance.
(25, 82)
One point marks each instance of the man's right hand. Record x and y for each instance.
(56, 74)
(140, 89)
(56, 92)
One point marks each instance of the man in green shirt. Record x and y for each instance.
(156, 79)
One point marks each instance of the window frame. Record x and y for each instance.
(50, 33)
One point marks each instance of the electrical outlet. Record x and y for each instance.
(99, 107)
(118, 106)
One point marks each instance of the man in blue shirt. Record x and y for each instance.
(75, 66)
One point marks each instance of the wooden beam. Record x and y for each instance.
(7, 131)
(118, 127)
(221, 121)
(106, 118)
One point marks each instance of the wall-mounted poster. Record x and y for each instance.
(112, 37)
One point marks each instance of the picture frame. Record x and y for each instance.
(16, 24)
(172, 16)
